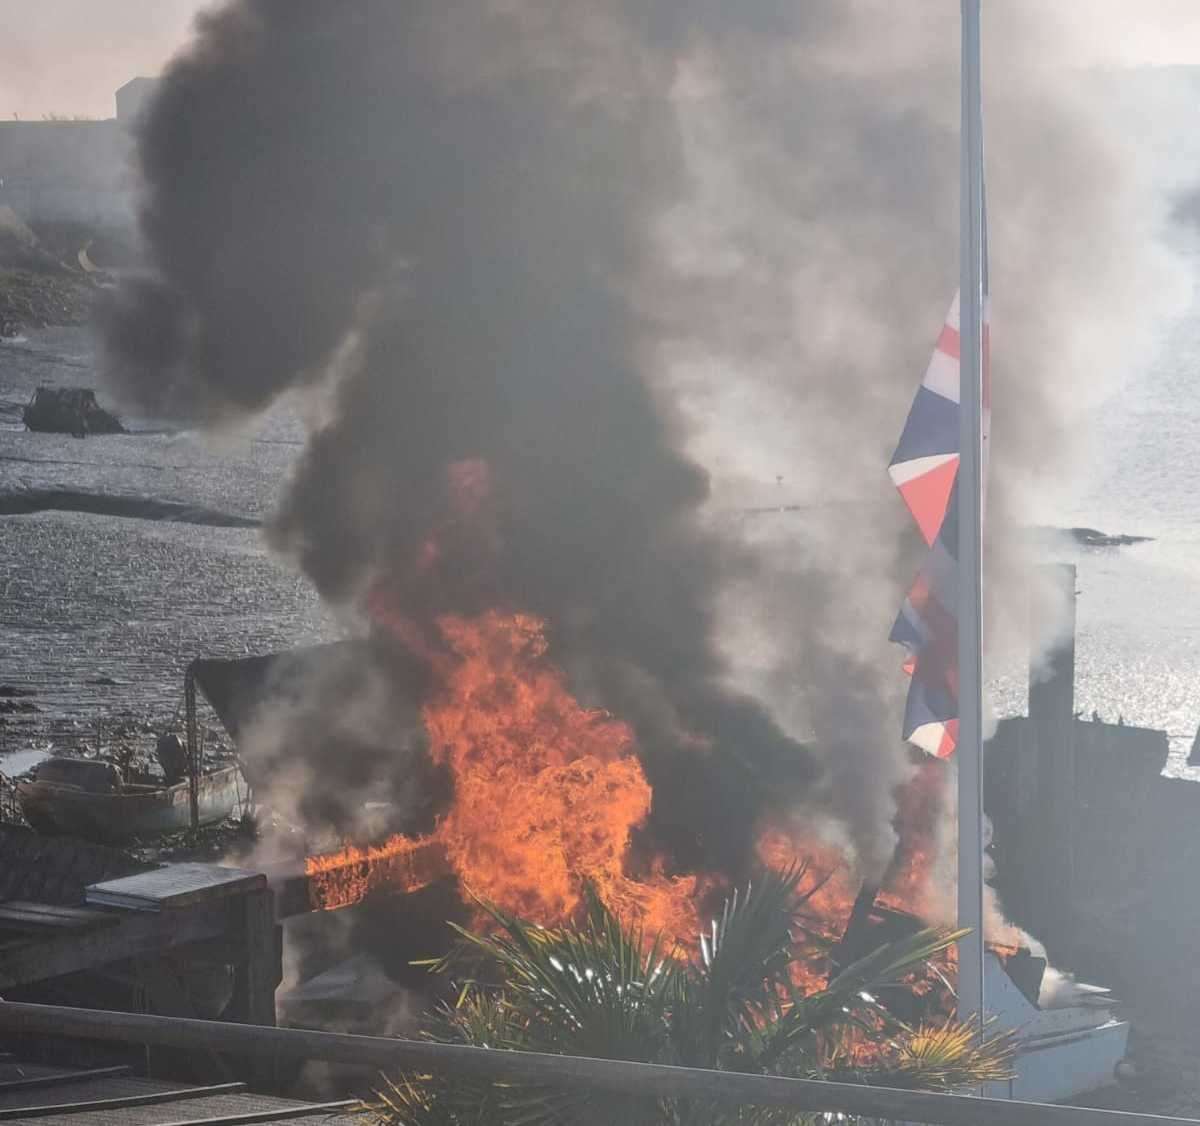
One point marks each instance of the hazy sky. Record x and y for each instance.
(69, 56)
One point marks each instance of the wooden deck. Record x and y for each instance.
(39, 942)
(55, 1096)
(157, 928)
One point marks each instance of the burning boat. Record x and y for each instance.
(1069, 1038)
(544, 791)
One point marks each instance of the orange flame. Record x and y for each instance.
(827, 909)
(832, 886)
(547, 795)
(344, 878)
(909, 884)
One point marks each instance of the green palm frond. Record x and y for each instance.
(600, 989)
(595, 990)
(948, 1055)
(741, 972)
(479, 1018)
(411, 1100)
(850, 995)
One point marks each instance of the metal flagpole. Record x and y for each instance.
(970, 567)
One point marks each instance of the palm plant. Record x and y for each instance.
(603, 990)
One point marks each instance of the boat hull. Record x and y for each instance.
(53, 807)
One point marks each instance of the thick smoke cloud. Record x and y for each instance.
(639, 259)
(817, 252)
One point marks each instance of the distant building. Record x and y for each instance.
(132, 99)
(74, 171)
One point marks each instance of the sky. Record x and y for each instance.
(69, 56)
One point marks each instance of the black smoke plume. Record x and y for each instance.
(595, 246)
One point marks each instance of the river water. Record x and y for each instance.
(99, 616)
(1138, 647)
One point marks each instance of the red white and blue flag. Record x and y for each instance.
(925, 470)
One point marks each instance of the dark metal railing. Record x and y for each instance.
(627, 1077)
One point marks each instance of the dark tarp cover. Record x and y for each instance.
(238, 688)
(348, 711)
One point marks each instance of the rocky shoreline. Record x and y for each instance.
(33, 300)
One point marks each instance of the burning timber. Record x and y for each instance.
(342, 879)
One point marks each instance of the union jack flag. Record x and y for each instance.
(925, 470)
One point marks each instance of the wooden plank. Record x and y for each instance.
(56, 910)
(18, 919)
(57, 1077)
(119, 1102)
(174, 885)
(259, 974)
(279, 1114)
(263, 957)
(136, 934)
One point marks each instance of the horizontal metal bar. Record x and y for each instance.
(627, 1077)
(119, 1102)
(32, 1082)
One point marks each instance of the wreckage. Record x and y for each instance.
(69, 410)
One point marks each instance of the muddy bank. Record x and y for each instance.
(125, 557)
(46, 277)
(100, 616)
(30, 300)
(1091, 537)
(25, 502)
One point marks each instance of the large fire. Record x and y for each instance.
(547, 794)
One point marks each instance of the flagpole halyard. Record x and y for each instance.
(970, 548)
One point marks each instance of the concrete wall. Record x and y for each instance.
(72, 171)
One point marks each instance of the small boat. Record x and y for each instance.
(89, 799)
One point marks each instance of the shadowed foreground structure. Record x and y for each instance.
(651, 1080)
